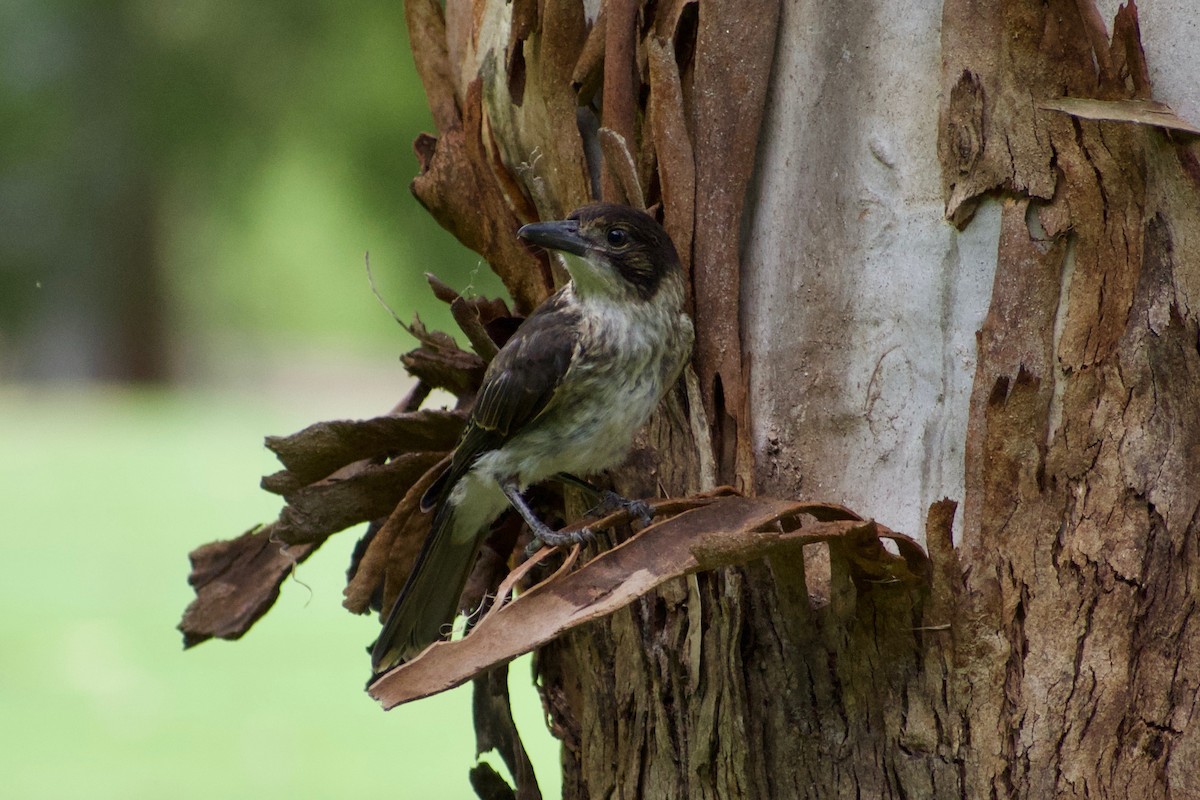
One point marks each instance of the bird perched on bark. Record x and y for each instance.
(563, 397)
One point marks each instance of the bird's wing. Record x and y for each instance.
(520, 382)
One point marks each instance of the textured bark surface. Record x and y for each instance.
(1083, 449)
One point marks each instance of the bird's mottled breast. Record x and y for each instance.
(629, 355)
(626, 358)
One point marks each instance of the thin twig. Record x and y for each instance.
(378, 296)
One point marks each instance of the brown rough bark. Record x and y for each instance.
(1080, 521)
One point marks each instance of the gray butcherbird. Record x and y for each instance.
(565, 395)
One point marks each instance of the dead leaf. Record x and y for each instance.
(712, 532)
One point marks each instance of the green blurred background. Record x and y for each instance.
(187, 191)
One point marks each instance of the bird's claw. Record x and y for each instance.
(611, 501)
(641, 511)
(559, 539)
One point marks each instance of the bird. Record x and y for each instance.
(562, 398)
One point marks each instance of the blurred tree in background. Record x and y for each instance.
(183, 182)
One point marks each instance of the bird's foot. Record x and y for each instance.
(558, 538)
(611, 501)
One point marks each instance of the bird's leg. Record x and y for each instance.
(541, 531)
(579, 483)
(609, 501)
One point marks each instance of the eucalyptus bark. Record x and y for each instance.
(1056, 651)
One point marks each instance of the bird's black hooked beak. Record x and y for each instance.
(558, 235)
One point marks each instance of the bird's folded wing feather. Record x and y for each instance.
(519, 383)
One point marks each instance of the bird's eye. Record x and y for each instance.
(618, 237)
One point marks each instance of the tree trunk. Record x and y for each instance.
(1056, 652)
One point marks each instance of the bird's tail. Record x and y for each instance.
(428, 602)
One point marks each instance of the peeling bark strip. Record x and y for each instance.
(1081, 521)
(495, 730)
(735, 48)
(458, 188)
(236, 582)
(620, 90)
(339, 474)
(707, 533)
(321, 449)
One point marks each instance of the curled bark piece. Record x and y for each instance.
(236, 581)
(708, 533)
(320, 449)
(328, 506)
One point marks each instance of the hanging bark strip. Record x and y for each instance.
(620, 88)
(337, 474)
(735, 48)
(673, 148)
(236, 582)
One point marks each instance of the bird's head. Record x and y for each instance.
(610, 250)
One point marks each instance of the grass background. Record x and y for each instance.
(103, 494)
(188, 195)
